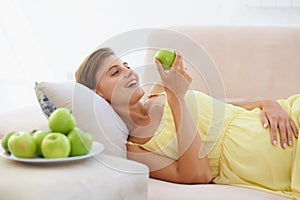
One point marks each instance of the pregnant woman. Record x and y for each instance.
(176, 133)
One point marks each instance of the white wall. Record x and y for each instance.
(48, 39)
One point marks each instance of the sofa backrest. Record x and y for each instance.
(254, 62)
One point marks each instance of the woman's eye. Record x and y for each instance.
(115, 73)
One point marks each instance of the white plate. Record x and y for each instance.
(96, 149)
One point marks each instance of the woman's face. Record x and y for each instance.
(118, 84)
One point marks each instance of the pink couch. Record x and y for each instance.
(253, 62)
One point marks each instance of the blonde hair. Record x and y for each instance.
(86, 73)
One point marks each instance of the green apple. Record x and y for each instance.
(55, 145)
(61, 121)
(166, 57)
(38, 137)
(22, 145)
(4, 141)
(81, 142)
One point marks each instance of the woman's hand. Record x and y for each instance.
(276, 118)
(177, 80)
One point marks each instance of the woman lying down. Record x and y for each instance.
(173, 131)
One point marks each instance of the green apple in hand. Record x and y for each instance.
(22, 145)
(4, 141)
(38, 137)
(81, 142)
(55, 145)
(61, 121)
(166, 58)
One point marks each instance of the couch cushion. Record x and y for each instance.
(254, 62)
(160, 190)
(100, 177)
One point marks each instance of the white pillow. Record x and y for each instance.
(92, 113)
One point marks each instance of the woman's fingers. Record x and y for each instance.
(283, 134)
(273, 131)
(160, 68)
(178, 63)
(289, 133)
(294, 129)
(273, 128)
(180, 68)
(274, 117)
(176, 80)
(264, 120)
(285, 128)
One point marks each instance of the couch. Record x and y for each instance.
(238, 64)
(244, 63)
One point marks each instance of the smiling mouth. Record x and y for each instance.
(132, 83)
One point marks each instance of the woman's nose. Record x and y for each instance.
(129, 72)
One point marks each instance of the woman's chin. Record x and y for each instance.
(137, 94)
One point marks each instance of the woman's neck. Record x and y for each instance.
(134, 115)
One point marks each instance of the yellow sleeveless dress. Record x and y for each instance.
(239, 148)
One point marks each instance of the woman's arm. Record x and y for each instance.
(251, 105)
(276, 118)
(191, 166)
(161, 167)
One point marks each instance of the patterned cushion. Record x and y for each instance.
(46, 106)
